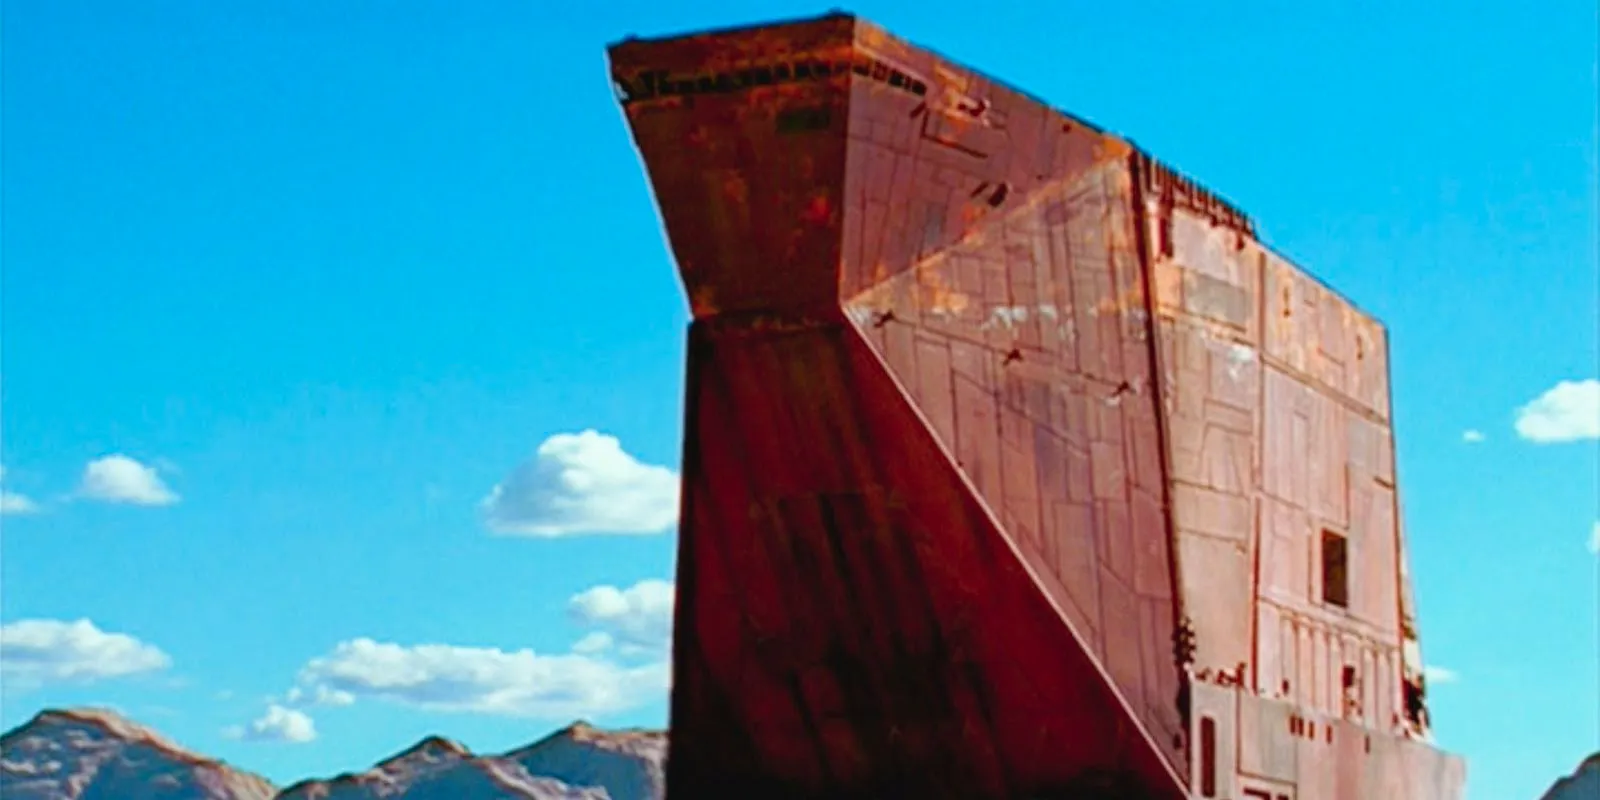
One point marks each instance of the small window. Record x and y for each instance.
(1335, 572)
(1208, 757)
(1351, 685)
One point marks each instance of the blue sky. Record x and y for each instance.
(290, 287)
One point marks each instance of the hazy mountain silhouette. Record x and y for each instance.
(1582, 784)
(97, 755)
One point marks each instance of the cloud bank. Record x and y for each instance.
(587, 681)
(522, 683)
(638, 618)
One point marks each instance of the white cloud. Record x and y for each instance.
(583, 483)
(1568, 412)
(1594, 538)
(1439, 674)
(120, 479)
(35, 652)
(279, 724)
(485, 680)
(318, 696)
(14, 503)
(639, 617)
(1472, 436)
(586, 681)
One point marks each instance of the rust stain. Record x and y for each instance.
(1130, 299)
(735, 189)
(1110, 148)
(703, 301)
(954, 80)
(937, 296)
(818, 211)
(971, 214)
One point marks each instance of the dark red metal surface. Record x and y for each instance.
(862, 626)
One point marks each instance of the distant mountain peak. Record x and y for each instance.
(65, 753)
(624, 739)
(629, 763)
(104, 718)
(1582, 784)
(433, 747)
(69, 754)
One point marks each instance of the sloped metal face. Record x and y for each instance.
(851, 620)
(990, 257)
(743, 136)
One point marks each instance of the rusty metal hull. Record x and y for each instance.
(1008, 452)
(863, 626)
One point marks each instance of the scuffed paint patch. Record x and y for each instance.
(1139, 329)
(1009, 317)
(1240, 356)
(1068, 329)
(937, 295)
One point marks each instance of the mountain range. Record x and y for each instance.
(91, 754)
(1582, 784)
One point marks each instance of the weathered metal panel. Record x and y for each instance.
(861, 626)
(1254, 348)
(749, 231)
(1267, 747)
(1220, 707)
(1430, 773)
(1034, 284)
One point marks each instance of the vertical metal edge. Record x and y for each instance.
(1136, 166)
